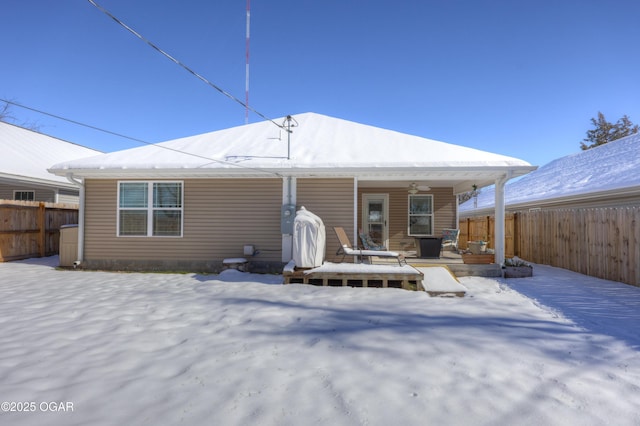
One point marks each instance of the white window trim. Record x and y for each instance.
(15, 191)
(433, 215)
(150, 209)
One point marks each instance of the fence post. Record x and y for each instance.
(42, 231)
(488, 237)
(516, 235)
(468, 231)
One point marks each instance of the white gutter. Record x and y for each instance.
(81, 209)
(36, 181)
(381, 172)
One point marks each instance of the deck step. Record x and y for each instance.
(491, 270)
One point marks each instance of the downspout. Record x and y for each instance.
(500, 215)
(289, 196)
(289, 190)
(81, 209)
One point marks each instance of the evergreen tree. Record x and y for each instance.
(605, 131)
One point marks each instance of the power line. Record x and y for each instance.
(76, 122)
(140, 140)
(177, 62)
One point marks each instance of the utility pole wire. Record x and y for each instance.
(209, 159)
(177, 62)
(76, 122)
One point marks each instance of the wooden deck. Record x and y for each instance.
(354, 275)
(454, 262)
(389, 274)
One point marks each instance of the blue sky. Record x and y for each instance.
(520, 78)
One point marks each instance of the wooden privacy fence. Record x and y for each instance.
(32, 229)
(483, 228)
(602, 242)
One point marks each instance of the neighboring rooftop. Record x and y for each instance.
(612, 168)
(26, 154)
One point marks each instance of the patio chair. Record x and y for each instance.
(450, 238)
(346, 249)
(368, 243)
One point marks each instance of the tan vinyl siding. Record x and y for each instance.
(444, 202)
(220, 217)
(444, 213)
(332, 200)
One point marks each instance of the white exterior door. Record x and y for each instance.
(375, 213)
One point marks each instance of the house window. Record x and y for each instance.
(24, 195)
(150, 209)
(420, 215)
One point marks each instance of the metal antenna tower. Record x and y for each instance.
(246, 81)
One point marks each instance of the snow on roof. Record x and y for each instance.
(316, 142)
(608, 167)
(27, 154)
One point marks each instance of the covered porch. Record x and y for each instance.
(399, 214)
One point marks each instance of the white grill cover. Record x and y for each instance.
(309, 238)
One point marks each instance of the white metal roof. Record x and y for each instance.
(317, 146)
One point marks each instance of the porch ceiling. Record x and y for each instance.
(460, 181)
(458, 187)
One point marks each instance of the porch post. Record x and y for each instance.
(355, 210)
(499, 215)
(457, 211)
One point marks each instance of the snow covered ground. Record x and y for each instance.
(164, 349)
